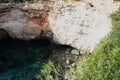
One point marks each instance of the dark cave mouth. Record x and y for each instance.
(15, 54)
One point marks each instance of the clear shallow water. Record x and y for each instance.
(16, 55)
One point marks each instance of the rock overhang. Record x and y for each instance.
(79, 24)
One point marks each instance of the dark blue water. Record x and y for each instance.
(25, 56)
(16, 53)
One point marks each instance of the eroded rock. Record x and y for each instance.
(24, 25)
(78, 23)
(82, 24)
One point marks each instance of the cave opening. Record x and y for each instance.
(15, 54)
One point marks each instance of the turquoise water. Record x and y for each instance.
(17, 55)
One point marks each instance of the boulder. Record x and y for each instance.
(82, 24)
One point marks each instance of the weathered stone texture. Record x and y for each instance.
(78, 23)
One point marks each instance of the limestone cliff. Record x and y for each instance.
(78, 23)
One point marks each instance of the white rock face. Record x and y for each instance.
(15, 23)
(23, 25)
(80, 24)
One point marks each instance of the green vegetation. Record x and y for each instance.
(54, 69)
(104, 64)
(48, 72)
(65, 0)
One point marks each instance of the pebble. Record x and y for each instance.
(75, 52)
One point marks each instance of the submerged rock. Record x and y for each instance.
(78, 23)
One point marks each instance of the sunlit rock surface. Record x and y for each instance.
(78, 23)
(21, 24)
(82, 24)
